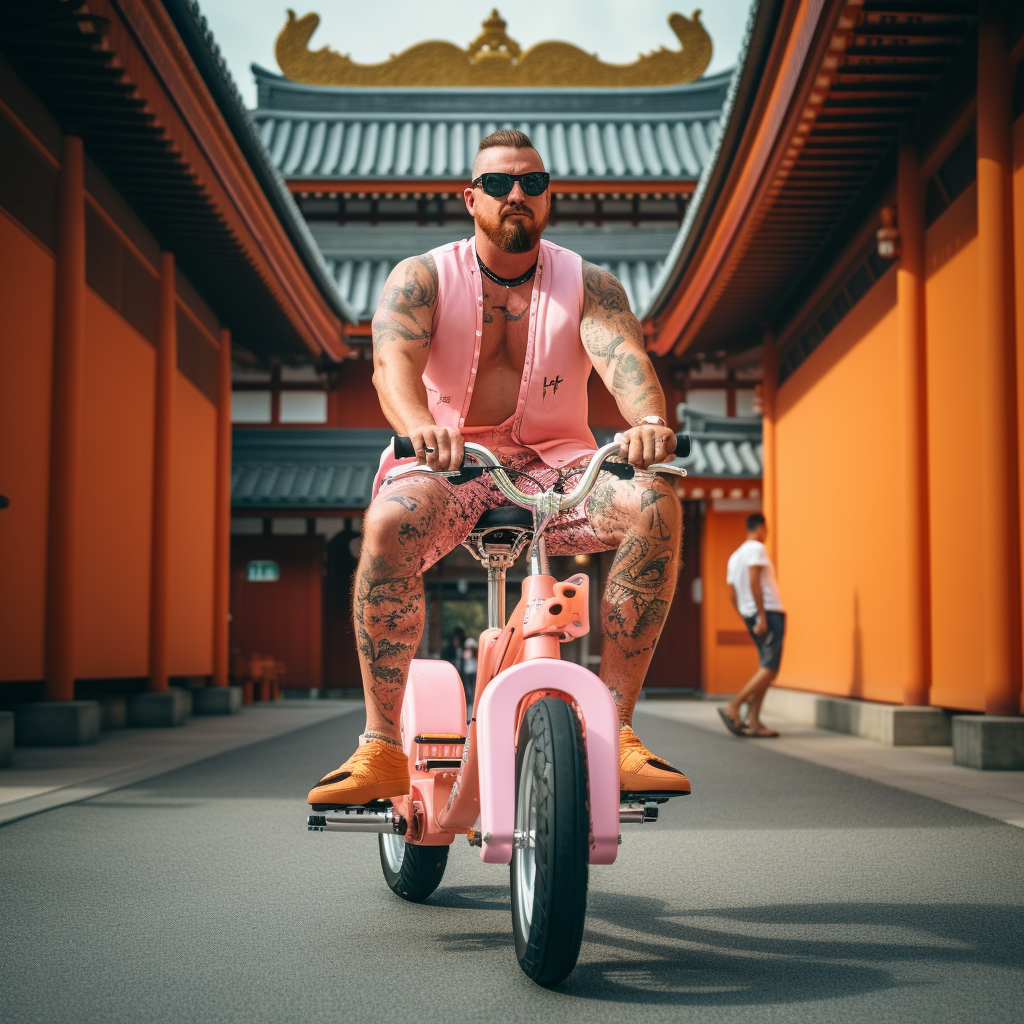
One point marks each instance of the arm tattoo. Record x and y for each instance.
(400, 315)
(614, 339)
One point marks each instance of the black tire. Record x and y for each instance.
(419, 868)
(551, 797)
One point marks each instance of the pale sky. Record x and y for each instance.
(616, 30)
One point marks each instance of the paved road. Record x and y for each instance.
(780, 891)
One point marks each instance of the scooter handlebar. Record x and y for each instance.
(404, 449)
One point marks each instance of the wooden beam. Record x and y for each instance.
(222, 523)
(163, 458)
(66, 425)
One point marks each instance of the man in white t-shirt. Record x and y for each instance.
(755, 595)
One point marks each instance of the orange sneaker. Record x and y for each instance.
(641, 772)
(375, 771)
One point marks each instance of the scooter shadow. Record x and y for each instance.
(472, 897)
(646, 950)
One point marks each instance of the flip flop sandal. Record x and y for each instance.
(735, 728)
(770, 734)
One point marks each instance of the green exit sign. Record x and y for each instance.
(262, 572)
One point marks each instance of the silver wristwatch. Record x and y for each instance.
(654, 421)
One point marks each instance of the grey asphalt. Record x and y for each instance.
(780, 891)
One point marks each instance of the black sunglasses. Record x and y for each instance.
(497, 184)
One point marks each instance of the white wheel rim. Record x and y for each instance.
(525, 858)
(394, 850)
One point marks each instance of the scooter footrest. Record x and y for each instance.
(373, 805)
(649, 797)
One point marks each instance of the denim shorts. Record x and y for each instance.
(769, 646)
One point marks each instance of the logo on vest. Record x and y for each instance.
(553, 384)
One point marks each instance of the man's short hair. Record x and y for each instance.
(511, 138)
(755, 521)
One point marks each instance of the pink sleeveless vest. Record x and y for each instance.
(551, 414)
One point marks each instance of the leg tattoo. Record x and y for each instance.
(639, 589)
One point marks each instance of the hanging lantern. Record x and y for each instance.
(888, 235)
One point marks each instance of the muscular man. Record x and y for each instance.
(493, 339)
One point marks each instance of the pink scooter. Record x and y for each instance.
(539, 768)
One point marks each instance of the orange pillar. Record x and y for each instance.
(769, 499)
(913, 456)
(66, 424)
(222, 539)
(166, 380)
(1000, 598)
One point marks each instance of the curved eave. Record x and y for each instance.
(762, 25)
(202, 48)
(842, 80)
(704, 278)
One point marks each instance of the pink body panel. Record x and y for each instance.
(435, 703)
(496, 723)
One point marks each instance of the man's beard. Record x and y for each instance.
(514, 236)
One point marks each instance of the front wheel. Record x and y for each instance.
(412, 872)
(550, 857)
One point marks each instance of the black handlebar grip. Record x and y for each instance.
(404, 448)
(623, 470)
(682, 446)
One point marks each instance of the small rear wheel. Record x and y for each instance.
(550, 858)
(412, 872)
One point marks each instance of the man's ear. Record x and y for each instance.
(470, 197)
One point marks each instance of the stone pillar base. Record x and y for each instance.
(993, 742)
(894, 724)
(217, 700)
(58, 723)
(113, 713)
(6, 739)
(160, 710)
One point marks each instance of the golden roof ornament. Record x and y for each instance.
(494, 60)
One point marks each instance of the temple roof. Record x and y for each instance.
(666, 133)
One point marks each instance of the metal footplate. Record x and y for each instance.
(357, 819)
(638, 813)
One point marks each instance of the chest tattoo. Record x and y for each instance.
(510, 317)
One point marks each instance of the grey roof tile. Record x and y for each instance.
(304, 469)
(724, 446)
(656, 133)
(403, 148)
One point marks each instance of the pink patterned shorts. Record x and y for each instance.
(455, 508)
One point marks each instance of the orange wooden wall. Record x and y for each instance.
(728, 660)
(837, 479)
(954, 395)
(354, 403)
(192, 534)
(26, 358)
(113, 571)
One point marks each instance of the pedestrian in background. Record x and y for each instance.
(452, 651)
(469, 653)
(755, 595)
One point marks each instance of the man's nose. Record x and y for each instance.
(517, 195)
